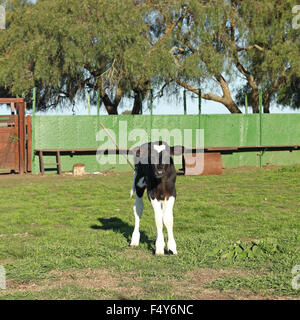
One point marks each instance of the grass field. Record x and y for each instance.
(238, 237)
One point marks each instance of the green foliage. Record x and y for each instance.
(289, 93)
(247, 250)
(64, 47)
(289, 169)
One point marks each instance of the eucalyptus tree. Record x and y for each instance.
(251, 40)
(31, 52)
(289, 95)
(63, 47)
(126, 47)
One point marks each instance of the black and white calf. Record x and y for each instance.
(155, 171)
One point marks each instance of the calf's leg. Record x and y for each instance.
(137, 211)
(160, 243)
(168, 221)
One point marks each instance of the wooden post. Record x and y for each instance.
(12, 108)
(29, 145)
(33, 124)
(41, 162)
(58, 163)
(21, 137)
(25, 138)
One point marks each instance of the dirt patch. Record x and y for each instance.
(251, 168)
(194, 286)
(86, 279)
(240, 169)
(207, 275)
(131, 253)
(6, 261)
(128, 285)
(19, 235)
(65, 175)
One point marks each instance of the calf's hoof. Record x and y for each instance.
(135, 241)
(160, 250)
(172, 247)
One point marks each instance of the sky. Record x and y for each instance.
(164, 106)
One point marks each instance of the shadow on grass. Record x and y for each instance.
(119, 226)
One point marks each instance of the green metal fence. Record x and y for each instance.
(219, 130)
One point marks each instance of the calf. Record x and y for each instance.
(155, 171)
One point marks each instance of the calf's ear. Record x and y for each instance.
(139, 152)
(136, 151)
(176, 150)
(142, 151)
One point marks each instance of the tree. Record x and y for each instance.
(221, 40)
(63, 48)
(124, 48)
(289, 94)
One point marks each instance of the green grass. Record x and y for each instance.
(242, 227)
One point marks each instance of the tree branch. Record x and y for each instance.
(248, 48)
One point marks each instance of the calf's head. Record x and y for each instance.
(157, 155)
(160, 158)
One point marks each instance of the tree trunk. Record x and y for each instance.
(255, 101)
(111, 109)
(226, 99)
(139, 96)
(138, 103)
(111, 106)
(266, 106)
(232, 107)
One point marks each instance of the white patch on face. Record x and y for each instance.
(158, 148)
(141, 183)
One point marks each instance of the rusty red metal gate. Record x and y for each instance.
(15, 137)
